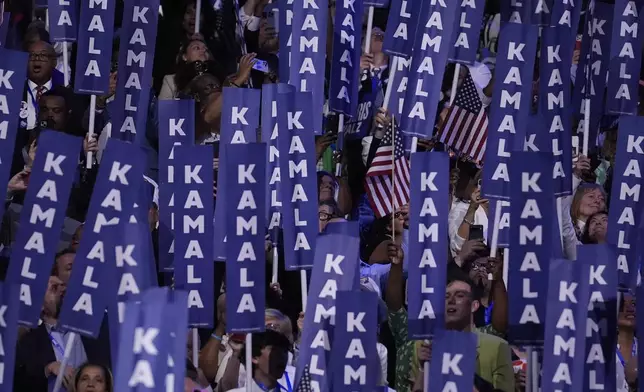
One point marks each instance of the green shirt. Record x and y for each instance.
(407, 362)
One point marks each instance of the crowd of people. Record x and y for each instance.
(223, 54)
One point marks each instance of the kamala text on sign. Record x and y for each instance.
(601, 340)
(308, 52)
(531, 211)
(136, 54)
(345, 68)
(176, 128)
(433, 44)
(401, 28)
(13, 74)
(355, 342)
(91, 286)
(427, 243)
(566, 13)
(194, 269)
(467, 36)
(63, 20)
(554, 103)
(511, 102)
(245, 224)
(400, 81)
(285, 38)
(239, 124)
(96, 34)
(270, 136)
(565, 334)
(625, 57)
(299, 183)
(335, 269)
(41, 220)
(625, 212)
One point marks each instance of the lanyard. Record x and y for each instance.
(57, 345)
(488, 313)
(33, 99)
(279, 386)
(633, 353)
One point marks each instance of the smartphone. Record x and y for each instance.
(476, 232)
(273, 19)
(261, 66)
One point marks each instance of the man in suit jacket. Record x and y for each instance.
(493, 355)
(40, 351)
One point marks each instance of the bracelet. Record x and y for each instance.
(216, 337)
(468, 222)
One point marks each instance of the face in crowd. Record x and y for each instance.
(42, 62)
(377, 38)
(64, 265)
(277, 322)
(189, 19)
(326, 188)
(459, 305)
(588, 200)
(627, 312)
(54, 111)
(326, 213)
(197, 51)
(597, 226)
(92, 379)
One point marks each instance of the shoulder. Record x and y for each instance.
(489, 340)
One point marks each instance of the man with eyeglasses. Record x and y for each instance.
(493, 355)
(40, 71)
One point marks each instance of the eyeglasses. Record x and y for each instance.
(323, 216)
(400, 214)
(40, 56)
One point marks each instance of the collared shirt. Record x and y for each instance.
(59, 340)
(32, 105)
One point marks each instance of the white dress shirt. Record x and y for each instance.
(454, 220)
(31, 114)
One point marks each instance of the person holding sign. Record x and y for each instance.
(270, 357)
(38, 373)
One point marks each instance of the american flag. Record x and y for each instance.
(305, 381)
(465, 128)
(381, 191)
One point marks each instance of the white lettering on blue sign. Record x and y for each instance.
(133, 75)
(530, 234)
(295, 171)
(565, 348)
(629, 13)
(631, 195)
(245, 175)
(596, 353)
(426, 65)
(427, 237)
(273, 158)
(142, 372)
(332, 265)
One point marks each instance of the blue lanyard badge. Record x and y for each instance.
(633, 353)
(56, 345)
(488, 313)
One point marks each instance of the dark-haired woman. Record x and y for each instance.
(93, 378)
(193, 59)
